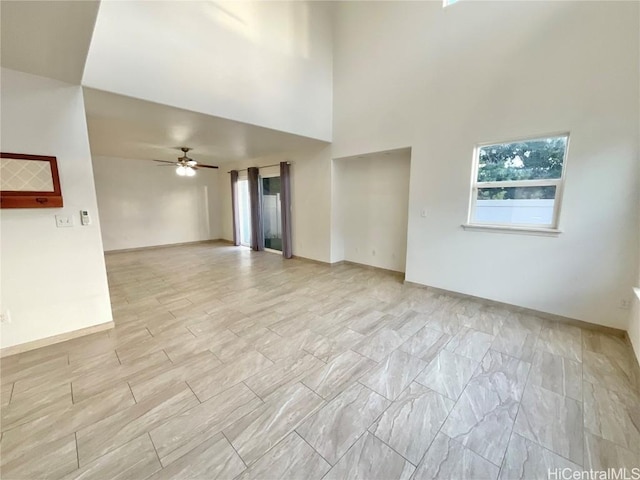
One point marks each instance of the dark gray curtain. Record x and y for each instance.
(235, 208)
(285, 208)
(255, 197)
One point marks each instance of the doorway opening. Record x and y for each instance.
(373, 193)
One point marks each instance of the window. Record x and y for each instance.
(518, 185)
(446, 3)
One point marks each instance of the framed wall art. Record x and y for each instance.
(29, 181)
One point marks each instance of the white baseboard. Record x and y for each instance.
(152, 247)
(62, 337)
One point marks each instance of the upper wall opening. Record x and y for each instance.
(262, 63)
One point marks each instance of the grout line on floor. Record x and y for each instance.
(301, 381)
(13, 387)
(295, 432)
(194, 393)
(75, 435)
(382, 441)
(377, 419)
(448, 414)
(252, 391)
(155, 450)
(131, 390)
(239, 456)
(197, 397)
(524, 386)
(510, 356)
(167, 355)
(117, 356)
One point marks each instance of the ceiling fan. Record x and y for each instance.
(185, 166)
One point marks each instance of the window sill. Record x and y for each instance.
(545, 232)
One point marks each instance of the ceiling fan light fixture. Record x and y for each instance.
(185, 166)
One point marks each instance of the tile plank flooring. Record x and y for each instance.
(226, 363)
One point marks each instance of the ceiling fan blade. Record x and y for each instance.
(201, 165)
(163, 161)
(172, 165)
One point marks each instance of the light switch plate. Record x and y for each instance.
(64, 221)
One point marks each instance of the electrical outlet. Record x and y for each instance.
(64, 221)
(5, 317)
(625, 304)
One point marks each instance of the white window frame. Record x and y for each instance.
(553, 227)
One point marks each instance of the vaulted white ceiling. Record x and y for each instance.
(263, 63)
(47, 38)
(127, 127)
(232, 80)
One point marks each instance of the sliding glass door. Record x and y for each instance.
(271, 214)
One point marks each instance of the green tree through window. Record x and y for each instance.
(526, 160)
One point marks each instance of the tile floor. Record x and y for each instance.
(226, 363)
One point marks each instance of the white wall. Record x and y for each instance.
(53, 280)
(310, 200)
(373, 194)
(633, 328)
(443, 80)
(142, 204)
(264, 63)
